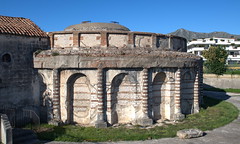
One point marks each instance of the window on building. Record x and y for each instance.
(196, 52)
(232, 62)
(6, 58)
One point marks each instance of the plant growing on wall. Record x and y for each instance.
(55, 53)
(216, 57)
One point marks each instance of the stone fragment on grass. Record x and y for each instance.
(189, 133)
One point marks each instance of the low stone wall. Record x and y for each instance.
(6, 130)
(222, 81)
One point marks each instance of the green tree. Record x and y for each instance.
(216, 58)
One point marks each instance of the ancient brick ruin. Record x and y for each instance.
(102, 73)
(99, 74)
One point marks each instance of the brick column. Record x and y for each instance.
(104, 39)
(169, 42)
(56, 95)
(100, 123)
(76, 39)
(178, 114)
(145, 120)
(196, 94)
(145, 92)
(130, 40)
(51, 37)
(154, 40)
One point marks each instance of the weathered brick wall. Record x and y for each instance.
(143, 41)
(122, 92)
(78, 96)
(117, 40)
(17, 75)
(90, 40)
(63, 40)
(93, 39)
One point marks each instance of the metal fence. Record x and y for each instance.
(20, 117)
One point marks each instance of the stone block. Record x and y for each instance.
(189, 133)
(55, 123)
(179, 116)
(100, 124)
(144, 121)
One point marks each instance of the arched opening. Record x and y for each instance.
(116, 82)
(158, 94)
(6, 58)
(43, 95)
(187, 93)
(78, 99)
(124, 88)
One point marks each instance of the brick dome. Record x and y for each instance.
(96, 27)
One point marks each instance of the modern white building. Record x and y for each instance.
(196, 46)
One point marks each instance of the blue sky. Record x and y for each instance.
(160, 16)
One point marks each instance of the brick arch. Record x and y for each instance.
(78, 99)
(158, 94)
(187, 92)
(44, 97)
(123, 94)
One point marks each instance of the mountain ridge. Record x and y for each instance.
(189, 35)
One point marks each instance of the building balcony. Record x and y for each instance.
(234, 57)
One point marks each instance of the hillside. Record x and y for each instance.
(189, 35)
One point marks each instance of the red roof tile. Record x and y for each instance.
(20, 26)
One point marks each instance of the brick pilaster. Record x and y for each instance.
(51, 37)
(76, 39)
(200, 77)
(196, 94)
(56, 95)
(100, 110)
(154, 40)
(130, 40)
(104, 39)
(169, 42)
(145, 91)
(177, 96)
(100, 91)
(145, 120)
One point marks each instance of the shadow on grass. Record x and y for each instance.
(214, 92)
(212, 115)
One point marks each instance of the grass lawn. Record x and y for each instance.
(233, 72)
(213, 114)
(223, 90)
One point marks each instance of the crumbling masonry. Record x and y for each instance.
(97, 74)
(102, 73)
